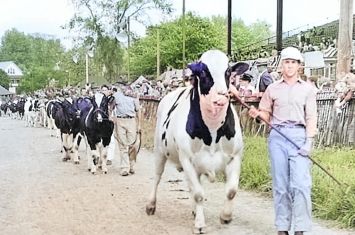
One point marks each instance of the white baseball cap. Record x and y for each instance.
(291, 53)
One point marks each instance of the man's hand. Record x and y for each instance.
(233, 90)
(254, 112)
(113, 119)
(306, 149)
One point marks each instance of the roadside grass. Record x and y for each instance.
(330, 201)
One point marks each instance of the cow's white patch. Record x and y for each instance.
(217, 63)
(98, 99)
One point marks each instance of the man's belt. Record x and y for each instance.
(289, 126)
(125, 116)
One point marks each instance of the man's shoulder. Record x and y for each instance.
(275, 84)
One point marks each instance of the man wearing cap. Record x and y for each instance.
(290, 105)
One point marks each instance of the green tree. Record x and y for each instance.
(35, 55)
(4, 79)
(99, 23)
(201, 35)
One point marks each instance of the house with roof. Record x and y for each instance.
(5, 94)
(14, 72)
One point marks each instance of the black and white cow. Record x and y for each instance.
(198, 129)
(51, 108)
(30, 111)
(97, 128)
(66, 118)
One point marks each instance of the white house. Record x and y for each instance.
(14, 72)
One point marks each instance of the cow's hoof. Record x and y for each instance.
(225, 219)
(193, 214)
(150, 209)
(201, 230)
(76, 162)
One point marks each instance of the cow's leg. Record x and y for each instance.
(90, 156)
(88, 152)
(104, 160)
(50, 123)
(196, 191)
(76, 144)
(159, 169)
(232, 173)
(66, 146)
(95, 157)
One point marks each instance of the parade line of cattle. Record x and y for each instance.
(197, 128)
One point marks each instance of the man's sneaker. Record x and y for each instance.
(131, 171)
(124, 173)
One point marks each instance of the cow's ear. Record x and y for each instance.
(111, 98)
(93, 101)
(197, 68)
(239, 68)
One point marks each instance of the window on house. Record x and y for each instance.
(11, 71)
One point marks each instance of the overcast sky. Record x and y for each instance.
(46, 16)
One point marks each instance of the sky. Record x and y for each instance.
(47, 16)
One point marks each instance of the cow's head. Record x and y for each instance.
(71, 109)
(100, 104)
(211, 76)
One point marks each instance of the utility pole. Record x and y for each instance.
(183, 39)
(229, 29)
(128, 46)
(345, 36)
(87, 67)
(158, 54)
(279, 26)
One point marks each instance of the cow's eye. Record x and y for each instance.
(222, 93)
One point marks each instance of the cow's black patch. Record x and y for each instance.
(202, 73)
(163, 136)
(195, 126)
(228, 128)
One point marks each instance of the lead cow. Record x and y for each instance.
(198, 129)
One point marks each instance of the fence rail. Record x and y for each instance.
(334, 128)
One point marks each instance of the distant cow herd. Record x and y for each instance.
(72, 119)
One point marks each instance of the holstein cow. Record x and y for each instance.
(66, 118)
(198, 129)
(51, 110)
(97, 128)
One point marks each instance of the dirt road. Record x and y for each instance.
(40, 194)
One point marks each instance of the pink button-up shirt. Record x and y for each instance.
(291, 104)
